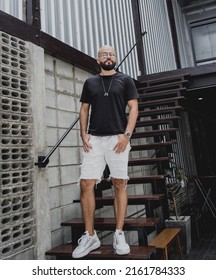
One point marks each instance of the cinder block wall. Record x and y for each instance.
(39, 100)
(63, 86)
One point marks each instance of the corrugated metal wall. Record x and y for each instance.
(158, 48)
(88, 24)
(14, 8)
(185, 48)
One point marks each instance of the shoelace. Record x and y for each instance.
(120, 238)
(82, 238)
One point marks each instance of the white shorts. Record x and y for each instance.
(94, 161)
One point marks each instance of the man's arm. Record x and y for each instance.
(132, 118)
(84, 117)
(133, 114)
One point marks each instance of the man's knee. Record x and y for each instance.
(119, 183)
(87, 185)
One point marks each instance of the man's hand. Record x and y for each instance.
(122, 144)
(86, 145)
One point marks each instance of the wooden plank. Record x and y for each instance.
(156, 121)
(64, 251)
(168, 92)
(165, 237)
(159, 102)
(153, 146)
(147, 161)
(170, 85)
(146, 179)
(170, 76)
(143, 226)
(151, 133)
(110, 223)
(132, 199)
(105, 183)
(160, 111)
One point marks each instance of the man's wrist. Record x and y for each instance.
(127, 134)
(83, 133)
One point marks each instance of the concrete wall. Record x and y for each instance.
(63, 85)
(56, 88)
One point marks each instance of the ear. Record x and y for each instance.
(98, 62)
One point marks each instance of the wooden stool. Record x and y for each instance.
(165, 238)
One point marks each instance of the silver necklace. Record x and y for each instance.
(106, 92)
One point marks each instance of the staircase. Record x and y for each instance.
(153, 142)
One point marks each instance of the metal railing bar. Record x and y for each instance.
(44, 160)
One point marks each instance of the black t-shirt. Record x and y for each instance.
(108, 112)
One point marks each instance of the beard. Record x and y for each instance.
(107, 67)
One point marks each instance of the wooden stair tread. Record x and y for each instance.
(137, 199)
(151, 133)
(146, 179)
(155, 121)
(135, 180)
(149, 79)
(152, 146)
(131, 198)
(168, 92)
(110, 223)
(160, 101)
(104, 252)
(159, 85)
(165, 237)
(147, 161)
(159, 111)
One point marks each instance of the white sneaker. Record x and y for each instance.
(86, 244)
(119, 243)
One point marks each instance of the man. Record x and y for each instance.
(106, 140)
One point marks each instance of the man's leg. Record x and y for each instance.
(87, 198)
(118, 166)
(91, 173)
(120, 202)
(89, 240)
(120, 208)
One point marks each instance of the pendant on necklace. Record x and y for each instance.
(106, 92)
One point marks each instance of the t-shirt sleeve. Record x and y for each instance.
(131, 89)
(85, 96)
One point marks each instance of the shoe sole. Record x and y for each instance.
(121, 252)
(90, 249)
(125, 252)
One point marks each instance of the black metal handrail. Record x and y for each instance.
(44, 160)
